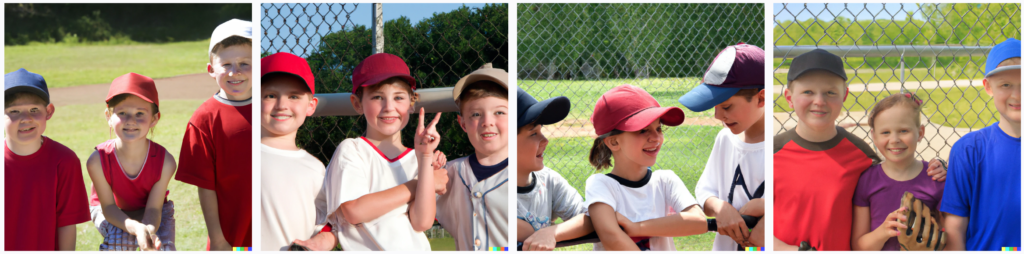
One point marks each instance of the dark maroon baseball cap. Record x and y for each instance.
(736, 67)
(284, 62)
(630, 108)
(379, 67)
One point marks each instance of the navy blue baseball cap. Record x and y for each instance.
(27, 82)
(544, 112)
(736, 67)
(1002, 51)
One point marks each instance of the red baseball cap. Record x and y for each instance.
(134, 84)
(377, 68)
(630, 108)
(284, 62)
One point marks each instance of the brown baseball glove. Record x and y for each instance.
(923, 232)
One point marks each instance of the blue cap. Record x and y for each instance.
(736, 67)
(1002, 51)
(542, 112)
(24, 81)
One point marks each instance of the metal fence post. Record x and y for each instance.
(378, 28)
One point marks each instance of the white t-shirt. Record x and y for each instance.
(356, 169)
(474, 212)
(733, 173)
(294, 207)
(664, 194)
(550, 198)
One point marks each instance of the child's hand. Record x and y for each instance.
(439, 160)
(144, 234)
(440, 181)
(542, 240)
(631, 228)
(731, 224)
(892, 225)
(427, 138)
(937, 169)
(756, 238)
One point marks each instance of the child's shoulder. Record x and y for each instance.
(58, 150)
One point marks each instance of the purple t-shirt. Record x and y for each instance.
(882, 195)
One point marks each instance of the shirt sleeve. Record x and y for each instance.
(72, 202)
(599, 191)
(448, 200)
(195, 162)
(321, 208)
(707, 185)
(959, 179)
(862, 193)
(346, 178)
(567, 202)
(678, 197)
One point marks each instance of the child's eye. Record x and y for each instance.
(831, 92)
(140, 114)
(807, 92)
(378, 97)
(727, 107)
(1006, 85)
(294, 97)
(474, 114)
(398, 98)
(499, 113)
(269, 96)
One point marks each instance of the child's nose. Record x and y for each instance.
(719, 114)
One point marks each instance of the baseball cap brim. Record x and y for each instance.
(308, 83)
(384, 76)
(493, 75)
(671, 116)
(1002, 69)
(704, 96)
(29, 89)
(545, 112)
(809, 70)
(137, 94)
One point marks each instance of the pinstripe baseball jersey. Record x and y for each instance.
(474, 212)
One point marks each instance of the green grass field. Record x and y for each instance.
(953, 107)
(868, 76)
(70, 65)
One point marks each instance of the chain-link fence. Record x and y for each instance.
(583, 50)
(936, 51)
(439, 50)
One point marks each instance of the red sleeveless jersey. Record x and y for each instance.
(130, 192)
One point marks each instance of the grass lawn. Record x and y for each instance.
(442, 244)
(953, 107)
(584, 93)
(868, 76)
(82, 127)
(686, 150)
(71, 65)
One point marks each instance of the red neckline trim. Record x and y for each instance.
(407, 150)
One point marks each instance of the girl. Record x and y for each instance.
(628, 124)
(896, 129)
(373, 185)
(130, 173)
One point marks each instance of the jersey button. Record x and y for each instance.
(478, 194)
(474, 214)
(477, 243)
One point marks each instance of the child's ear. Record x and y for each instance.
(156, 118)
(312, 105)
(988, 88)
(920, 135)
(846, 94)
(789, 97)
(760, 99)
(209, 69)
(612, 143)
(356, 104)
(461, 124)
(49, 111)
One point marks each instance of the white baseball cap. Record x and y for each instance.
(234, 27)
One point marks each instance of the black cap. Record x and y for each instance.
(543, 112)
(817, 59)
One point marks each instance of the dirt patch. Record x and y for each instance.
(197, 86)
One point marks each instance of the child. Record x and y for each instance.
(44, 194)
(542, 194)
(216, 152)
(377, 197)
(982, 207)
(895, 129)
(817, 151)
(294, 207)
(733, 179)
(130, 173)
(628, 122)
(475, 207)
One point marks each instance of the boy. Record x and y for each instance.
(293, 205)
(815, 152)
(44, 193)
(216, 152)
(981, 202)
(475, 207)
(542, 194)
(733, 179)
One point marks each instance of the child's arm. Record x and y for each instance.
(605, 223)
(546, 238)
(155, 204)
(956, 231)
(729, 221)
(66, 238)
(754, 207)
(690, 221)
(373, 205)
(866, 239)
(208, 203)
(523, 230)
(783, 246)
(421, 214)
(113, 214)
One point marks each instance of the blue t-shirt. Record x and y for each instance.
(983, 184)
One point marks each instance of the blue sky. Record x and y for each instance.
(849, 10)
(359, 14)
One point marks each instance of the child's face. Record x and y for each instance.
(896, 133)
(386, 108)
(531, 144)
(232, 67)
(132, 118)
(286, 104)
(485, 121)
(817, 99)
(1004, 87)
(641, 147)
(739, 114)
(25, 119)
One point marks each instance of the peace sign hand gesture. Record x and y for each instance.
(427, 137)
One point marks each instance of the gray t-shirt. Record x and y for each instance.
(550, 197)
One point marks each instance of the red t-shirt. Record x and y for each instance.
(42, 192)
(130, 193)
(814, 186)
(216, 154)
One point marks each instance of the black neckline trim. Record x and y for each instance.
(632, 184)
(529, 188)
